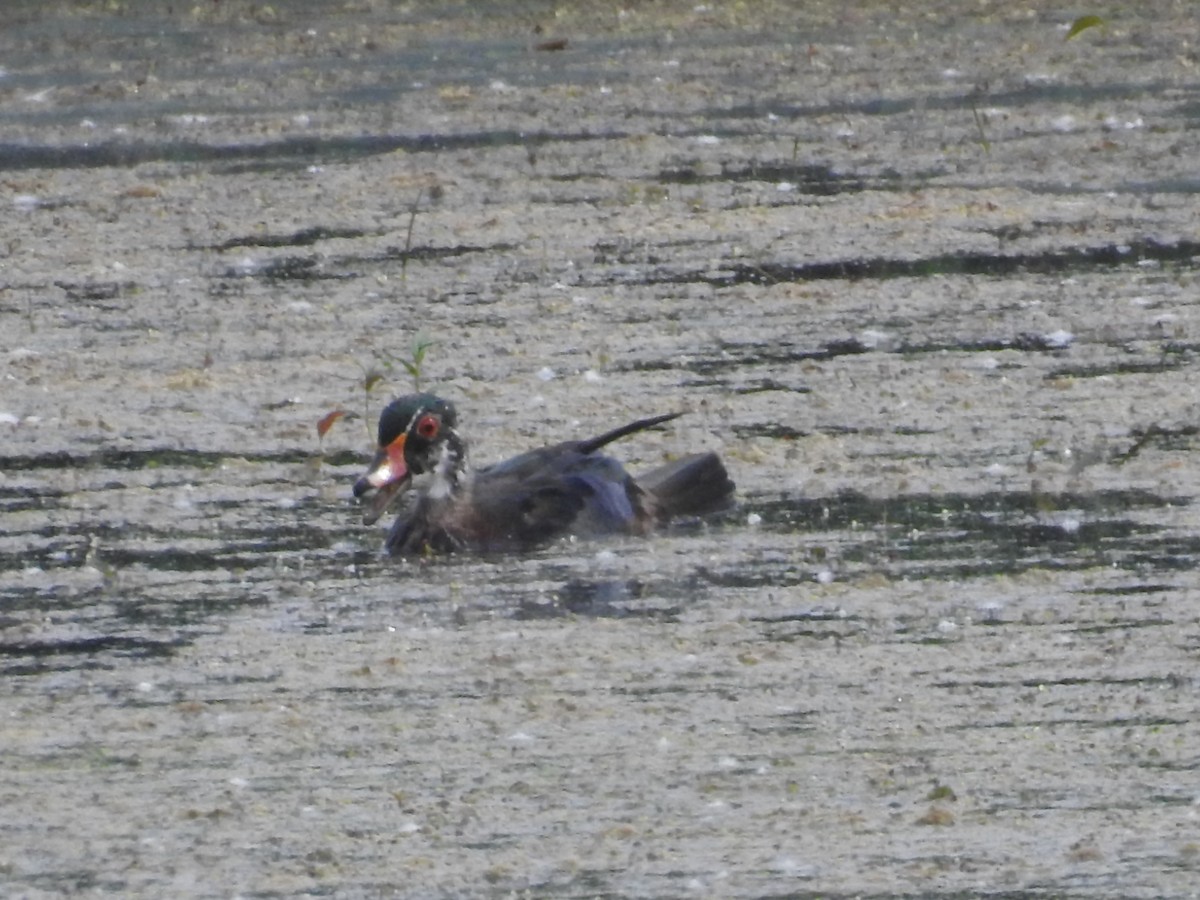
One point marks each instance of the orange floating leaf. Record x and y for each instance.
(327, 421)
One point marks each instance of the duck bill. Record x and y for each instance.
(386, 479)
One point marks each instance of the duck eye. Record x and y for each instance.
(427, 427)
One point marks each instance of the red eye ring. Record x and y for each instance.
(427, 427)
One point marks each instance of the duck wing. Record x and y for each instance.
(564, 489)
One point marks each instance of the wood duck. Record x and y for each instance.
(529, 500)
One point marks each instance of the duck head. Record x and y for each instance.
(416, 436)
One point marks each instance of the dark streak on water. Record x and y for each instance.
(281, 155)
(812, 180)
(166, 457)
(39, 657)
(1181, 253)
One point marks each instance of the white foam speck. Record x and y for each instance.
(1060, 339)
(787, 865)
(874, 339)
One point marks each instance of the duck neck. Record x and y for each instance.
(451, 472)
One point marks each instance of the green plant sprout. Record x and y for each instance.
(973, 98)
(412, 221)
(415, 364)
(372, 376)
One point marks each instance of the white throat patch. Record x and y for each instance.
(446, 475)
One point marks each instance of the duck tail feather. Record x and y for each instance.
(691, 486)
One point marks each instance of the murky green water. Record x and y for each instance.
(925, 279)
